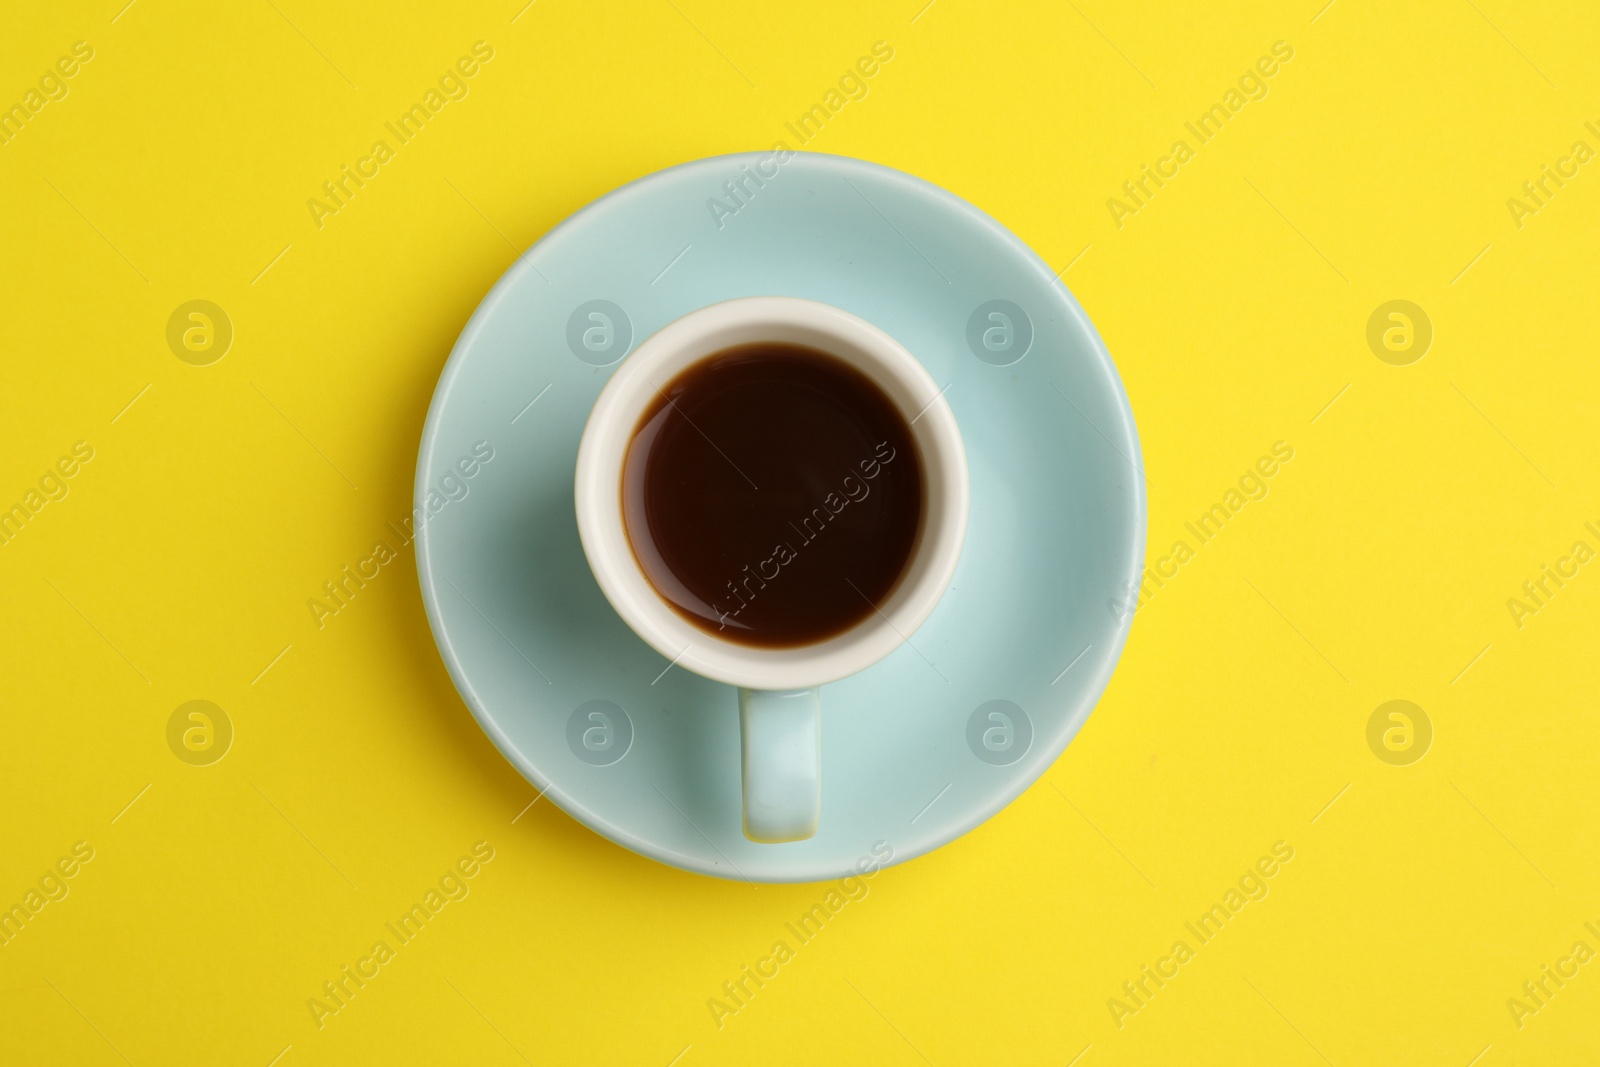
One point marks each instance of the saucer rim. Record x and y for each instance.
(957, 827)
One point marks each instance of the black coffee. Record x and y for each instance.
(773, 494)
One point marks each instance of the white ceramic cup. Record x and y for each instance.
(779, 706)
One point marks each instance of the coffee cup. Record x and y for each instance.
(778, 686)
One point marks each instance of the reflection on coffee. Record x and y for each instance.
(773, 495)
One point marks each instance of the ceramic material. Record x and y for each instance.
(779, 731)
(637, 382)
(948, 728)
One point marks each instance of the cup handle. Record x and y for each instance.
(781, 734)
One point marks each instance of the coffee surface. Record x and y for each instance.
(773, 495)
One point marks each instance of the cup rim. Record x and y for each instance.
(690, 338)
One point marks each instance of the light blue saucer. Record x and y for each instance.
(918, 749)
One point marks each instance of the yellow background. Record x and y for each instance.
(1235, 304)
